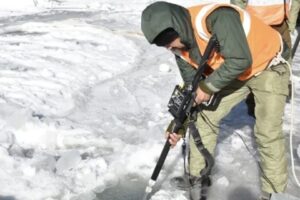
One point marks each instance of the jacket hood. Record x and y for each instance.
(162, 15)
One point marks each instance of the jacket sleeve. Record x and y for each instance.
(187, 71)
(293, 14)
(239, 3)
(225, 23)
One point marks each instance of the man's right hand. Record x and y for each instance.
(201, 96)
(173, 138)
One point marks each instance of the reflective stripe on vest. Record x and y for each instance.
(272, 12)
(263, 41)
(203, 13)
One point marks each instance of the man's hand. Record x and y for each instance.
(173, 138)
(201, 96)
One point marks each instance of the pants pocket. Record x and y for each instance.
(279, 78)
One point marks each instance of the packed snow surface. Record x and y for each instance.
(83, 108)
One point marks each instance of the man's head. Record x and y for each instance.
(170, 39)
(165, 37)
(164, 23)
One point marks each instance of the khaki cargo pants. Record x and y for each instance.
(270, 89)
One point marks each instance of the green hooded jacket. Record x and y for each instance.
(224, 22)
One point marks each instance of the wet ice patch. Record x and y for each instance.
(298, 151)
(130, 187)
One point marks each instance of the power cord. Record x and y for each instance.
(292, 128)
(291, 133)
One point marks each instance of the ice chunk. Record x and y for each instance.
(68, 160)
(237, 143)
(223, 181)
(7, 137)
(16, 150)
(164, 68)
(28, 170)
(224, 157)
(44, 162)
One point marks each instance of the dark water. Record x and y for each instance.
(131, 187)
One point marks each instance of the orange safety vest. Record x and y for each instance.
(272, 12)
(263, 41)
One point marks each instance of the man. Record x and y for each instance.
(274, 13)
(249, 59)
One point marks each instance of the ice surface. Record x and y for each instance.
(83, 108)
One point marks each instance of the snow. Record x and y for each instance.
(83, 108)
(223, 181)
